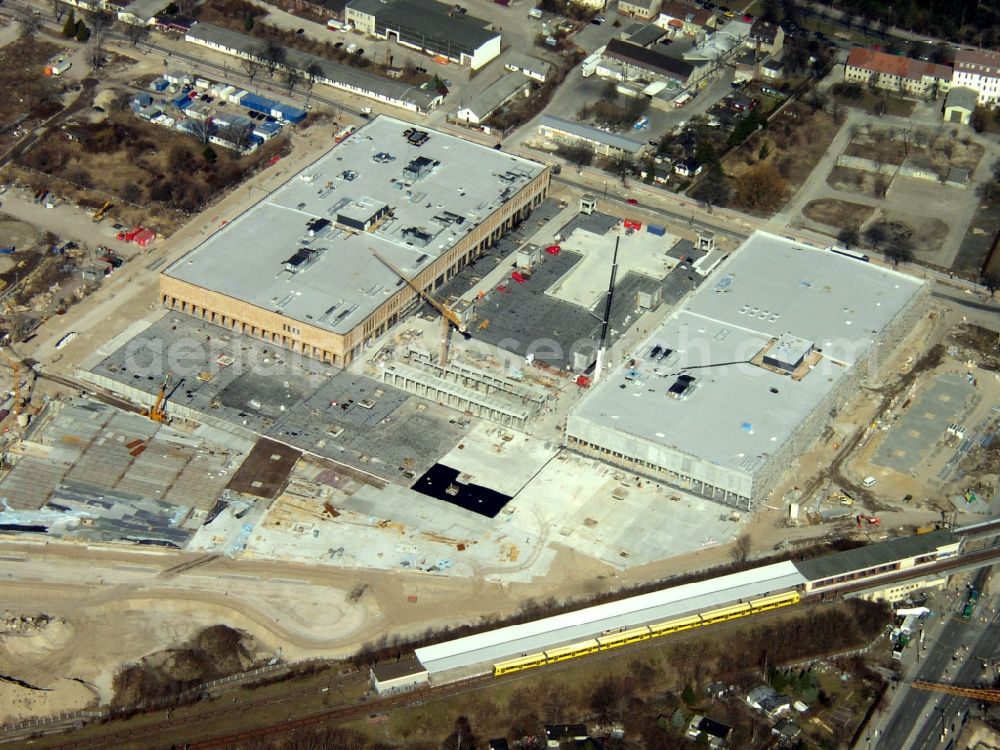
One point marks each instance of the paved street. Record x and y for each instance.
(917, 719)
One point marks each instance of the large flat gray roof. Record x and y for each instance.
(434, 20)
(591, 133)
(734, 415)
(874, 555)
(344, 282)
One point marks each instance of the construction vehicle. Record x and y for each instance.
(484, 325)
(870, 520)
(158, 411)
(99, 213)
(982, 694)
(448, 316)
(15, 368)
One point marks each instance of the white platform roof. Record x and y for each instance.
(531, 637)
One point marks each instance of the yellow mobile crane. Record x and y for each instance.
(158, 411)
(448, 316)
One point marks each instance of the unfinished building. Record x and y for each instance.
(740, 380)
(299, 270)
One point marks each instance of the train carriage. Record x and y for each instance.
(624, 638)
(516, 665)
(725, 613)
(572, 651)
(674, 626)
(774, 601)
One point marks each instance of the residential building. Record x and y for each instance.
(897, 73)
(299, 270)
(397, 676)
(768, 701)
(492, 97)
(714, 731)
(772, 69)
(688, 167)
(979, 70)
(643, 34)
(640, 63)
(141, 12)
(960, 104)
(787, 731)
(638, 8)
(532, 67)
(603, 143)
(766, 36)
(658, 173)
(555, 734)
(429, 26)
(683, 19)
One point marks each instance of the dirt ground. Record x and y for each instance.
(796, 140)
(924, 232)
(837, 213)
(24, 87)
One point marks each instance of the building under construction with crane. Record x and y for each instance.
(343, 249)
(745, 375)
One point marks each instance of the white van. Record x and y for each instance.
(535, 13)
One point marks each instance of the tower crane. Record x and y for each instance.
(983, 694)
(448, 316)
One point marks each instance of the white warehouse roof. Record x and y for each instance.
(531, 637)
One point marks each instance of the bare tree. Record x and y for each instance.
(292, 79)
(273, 56)
(100, 24)
(880, 185)
(238, 135)
(200, 129)
(313, 71)
(135, 33)
(742, 546)
(95, 55)
(251, 66)
(59, 9)
(28, 19)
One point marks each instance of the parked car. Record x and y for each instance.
(300, 31)
(632, 202)
(597, 20)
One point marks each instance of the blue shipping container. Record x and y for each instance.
(656, 229)
(258, 103)
(7, 250)
(293, 115)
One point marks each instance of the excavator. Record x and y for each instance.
(99, 213)
(158, 411)
(448, 316)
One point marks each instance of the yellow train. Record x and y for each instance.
(644, 633)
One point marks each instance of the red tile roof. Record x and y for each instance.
(895, 65)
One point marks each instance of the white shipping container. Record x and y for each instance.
(227, 92)
(201, 83)
(217, 89)
(61, 67)
(238, 96)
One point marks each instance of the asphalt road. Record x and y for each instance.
(919, 717)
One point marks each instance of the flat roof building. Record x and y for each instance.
(428, 26)
(492, 97)
(560, 130)
(299, 269)
(327, 72)
(397, 676)
(741, 379)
